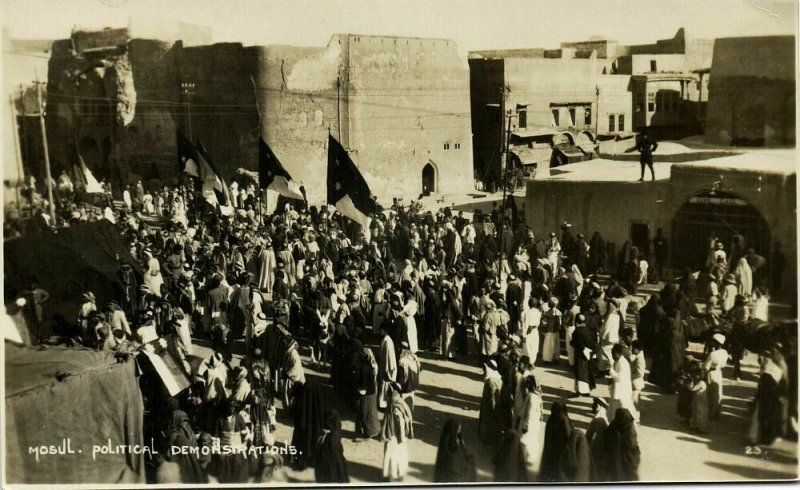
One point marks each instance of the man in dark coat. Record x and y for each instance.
(646, 147)
(513, 302)
(584, 342)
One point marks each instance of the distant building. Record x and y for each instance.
(752, 92)
(557, 103)
(749, 194)
(400, 106)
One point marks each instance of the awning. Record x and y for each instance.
(570, 104)
(570, 150)
(531, 156)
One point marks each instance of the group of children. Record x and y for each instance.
(700, 392)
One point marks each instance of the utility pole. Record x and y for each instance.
(17, 154)
(338, 111)
(504, 180)
(46, 153)
(597, 109)
(188, 88)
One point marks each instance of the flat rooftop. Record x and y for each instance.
(780, 162)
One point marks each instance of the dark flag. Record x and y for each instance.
(213, 187)
(347, 189)
(272, 175)
(188, 159)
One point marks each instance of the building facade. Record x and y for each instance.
(399, 105)
(752, 92)
(551, 104)
(753, 195)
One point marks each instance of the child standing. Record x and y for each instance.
(698, 421)
(643, 266)
(637, 370)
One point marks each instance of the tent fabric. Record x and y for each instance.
(75, 398)
(84, 257)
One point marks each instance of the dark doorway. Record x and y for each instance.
(428, 180)
(640, 237)
(719, 214)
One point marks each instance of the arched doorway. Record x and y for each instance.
(719, 214)
(428, 179)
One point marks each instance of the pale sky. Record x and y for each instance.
(473, 24)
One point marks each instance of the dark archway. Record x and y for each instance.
(718, 214)
(428, 179)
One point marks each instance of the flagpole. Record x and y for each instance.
(17, 154)
(46, 153)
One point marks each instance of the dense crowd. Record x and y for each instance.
(366, 302)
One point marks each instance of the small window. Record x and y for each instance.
(556, 119)
(587, 116)
(572, 116)
(522, 117)
(447, 146)
(651, 102)
(653, 66)
(318, 117)
(621, 122)
(611, 124)
(458, 146)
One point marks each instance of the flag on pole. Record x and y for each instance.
(84, 180)
(273, 176)
(347, 189)
(166, 366)
(213, 186)
(187, 157)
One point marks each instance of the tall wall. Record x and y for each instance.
(752, 92)
(408, 107)
(298, 103)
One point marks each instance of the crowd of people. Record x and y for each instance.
(260, 287)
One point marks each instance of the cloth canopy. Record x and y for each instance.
(84, 257)
(76, 399)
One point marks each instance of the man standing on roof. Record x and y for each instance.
(646, 147)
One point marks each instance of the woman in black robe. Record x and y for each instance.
(509, 459)
(454, 463)
(649, 317)
(180, 434)
(583, 341)
(331, 466)
(308, 420)
(579, 457)
(621, 457)
(597, 254)
(555, 453)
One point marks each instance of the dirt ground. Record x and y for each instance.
(452, 389)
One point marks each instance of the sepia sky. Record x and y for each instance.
(473, 24)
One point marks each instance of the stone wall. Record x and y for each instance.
(752, 92)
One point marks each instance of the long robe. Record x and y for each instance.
(398, 428)
(767, 421)
(308, 417)
(584, 343)
(744, 277)
(530, 427)
(491, 415)
(509, 460)
(454, 463)
(555, 453)
(266, 272)
(331, 465)
(387, 369)
(621, 454)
